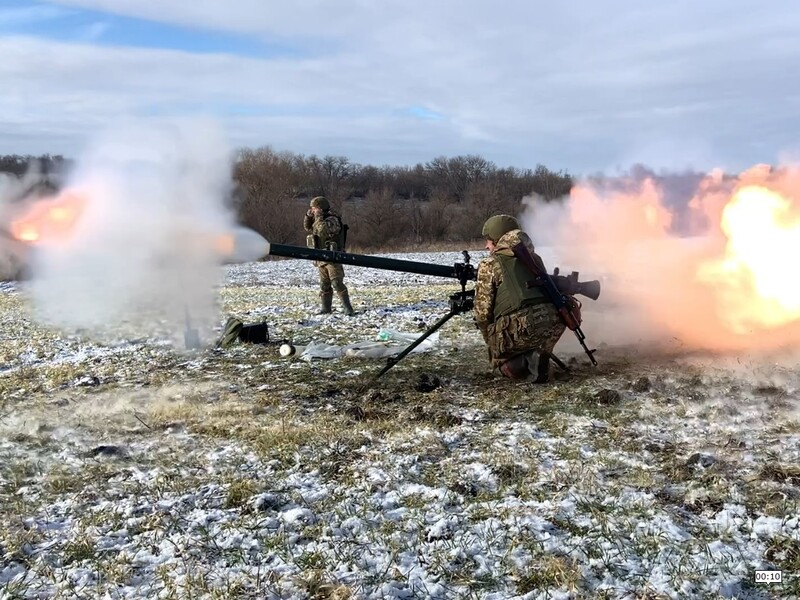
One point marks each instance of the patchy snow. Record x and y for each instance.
(133, 469)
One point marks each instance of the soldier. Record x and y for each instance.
(326, 232)
(519, 324)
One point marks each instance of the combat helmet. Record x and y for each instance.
(320, 202)
(497, 226)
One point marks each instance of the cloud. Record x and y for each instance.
(302, 17)
(582, 87)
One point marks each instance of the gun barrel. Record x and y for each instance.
(455, 271)
(571, 286)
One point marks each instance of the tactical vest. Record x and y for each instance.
(338, 241)
(512, 294)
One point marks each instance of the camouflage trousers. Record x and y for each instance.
(331, 278)
(530, 328)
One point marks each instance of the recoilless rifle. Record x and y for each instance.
(558, 288)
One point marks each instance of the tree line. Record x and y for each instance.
(46, 164)
(444, 200)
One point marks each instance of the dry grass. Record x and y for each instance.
(476, 463)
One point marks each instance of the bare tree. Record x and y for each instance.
(332, 177)
(454, 175)
(484, 199)
(550, 184)
(414, 214)
(267, 183)
(380, 222)
(436, 218)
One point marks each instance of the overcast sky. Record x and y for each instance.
(585, 85)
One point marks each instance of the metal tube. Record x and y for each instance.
(372, 262)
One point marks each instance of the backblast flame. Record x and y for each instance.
(51, 220)
(755, 280)
(55, 221)
(25, 232)
(713, 271)
(225, 244)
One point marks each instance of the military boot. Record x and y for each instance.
(516, 368)
(326, 301)
(348, 308)
(542, 367)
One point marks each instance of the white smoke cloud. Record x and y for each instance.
(654, 289)
(142, 251)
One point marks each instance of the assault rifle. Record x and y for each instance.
(459, 302)
(568, 307)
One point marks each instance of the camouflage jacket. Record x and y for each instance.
(326, 226)
(490, 276)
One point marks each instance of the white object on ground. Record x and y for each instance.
(287, 350)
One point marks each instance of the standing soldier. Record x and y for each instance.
(327, 232)
(518, 322)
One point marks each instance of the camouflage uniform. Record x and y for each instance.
(522, 326)
(326, 228)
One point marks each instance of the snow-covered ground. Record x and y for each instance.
(131, 468)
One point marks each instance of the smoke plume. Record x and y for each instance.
(151, 201)
(726, 287)
(13, 191)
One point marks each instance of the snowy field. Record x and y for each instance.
(131, 468)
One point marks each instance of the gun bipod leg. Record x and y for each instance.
(560, 363)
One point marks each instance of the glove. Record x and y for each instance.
(309, 213)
